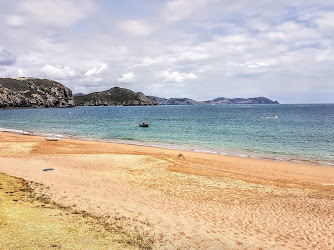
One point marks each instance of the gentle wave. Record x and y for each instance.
(131, 141)
(302, 133)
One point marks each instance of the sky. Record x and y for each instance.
(200, 49)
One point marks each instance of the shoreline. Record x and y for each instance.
(180, 199)
(225, 158)
(185, 148)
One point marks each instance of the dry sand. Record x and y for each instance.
(194, 201)
(32, 221)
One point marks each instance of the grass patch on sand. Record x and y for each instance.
(31, 221)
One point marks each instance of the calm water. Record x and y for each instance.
(300, 133)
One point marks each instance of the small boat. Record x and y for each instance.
(52, 138)
(144, 124)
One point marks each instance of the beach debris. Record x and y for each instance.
(180, 156)
(48, 169)
(52, 138)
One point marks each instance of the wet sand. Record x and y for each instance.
(192, 200)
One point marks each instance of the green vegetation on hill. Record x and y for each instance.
(114, 96)
(33, 92)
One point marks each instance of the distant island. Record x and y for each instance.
(30, 92)
(219, 100)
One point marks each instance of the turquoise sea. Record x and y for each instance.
(301, 133)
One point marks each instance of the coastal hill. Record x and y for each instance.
(219, 100)
(176, 101)
(254, 100)
(34, 93)
(114, 96)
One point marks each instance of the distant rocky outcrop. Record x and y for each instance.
(33, 93)
(79, 94)
(114, 97)
(254, 100)
(219, 100)
(176, 101)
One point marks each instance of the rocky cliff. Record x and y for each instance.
(34, 93)
(114, 96)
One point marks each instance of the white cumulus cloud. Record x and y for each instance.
(97, 69)
(57, 72)
(127, 78)
(175, 76)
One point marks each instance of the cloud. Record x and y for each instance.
(178, 10)
(175, 76)
(238, 47)
(97, 69)
(7, 58)
(93, 74)
(326, 22)
(127, 78)
(11, 71)
(57, 72)
(136, 27)
(60, 13)
(15, 20)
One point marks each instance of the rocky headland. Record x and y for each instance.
(27, 92)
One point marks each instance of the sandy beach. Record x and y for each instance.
(181, 199)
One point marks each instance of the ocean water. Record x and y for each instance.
(301, 133)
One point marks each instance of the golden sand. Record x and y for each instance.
(32, 221)
(195, 200)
